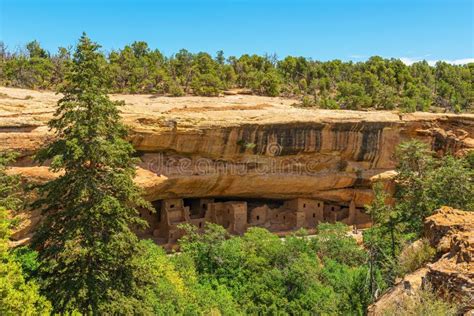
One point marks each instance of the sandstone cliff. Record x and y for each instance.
(245, 146)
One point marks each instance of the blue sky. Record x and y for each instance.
(323, 30)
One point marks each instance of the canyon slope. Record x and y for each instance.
(451, 274)
(242, 146)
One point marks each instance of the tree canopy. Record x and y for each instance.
(424, 183)
(87, 252)
(378, 83)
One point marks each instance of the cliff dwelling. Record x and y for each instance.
(244, 161)
(236, 216)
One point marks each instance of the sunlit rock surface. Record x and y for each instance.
(451, 232)
(245, 146)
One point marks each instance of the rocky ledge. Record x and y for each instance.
(451, 233)
(245, 146)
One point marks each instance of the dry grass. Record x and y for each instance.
(415, 256)
(422, 302)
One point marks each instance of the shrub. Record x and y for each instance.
(28, 260)
(207, 85)
(422, 302)
(408, 105)
(332, 242)
(174, 89)
(328, 103)
(307, 102)
(415, 256)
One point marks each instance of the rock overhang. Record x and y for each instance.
(245, 146)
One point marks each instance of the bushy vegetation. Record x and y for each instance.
(377, 83)
(267, 275)
(421, 302)
(415, 256)
(423, 184)
(18, 295)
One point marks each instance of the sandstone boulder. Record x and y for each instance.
(451, 232)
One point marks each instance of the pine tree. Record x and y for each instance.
(86, 248)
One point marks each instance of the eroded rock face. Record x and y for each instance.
(394, 296)
(246, 146)
(451, 232)
(242, 146)
(445, 224)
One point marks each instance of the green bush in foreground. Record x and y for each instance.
(265, 274)
(17, 296)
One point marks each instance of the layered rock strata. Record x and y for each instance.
(244, 147)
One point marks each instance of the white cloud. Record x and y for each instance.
(357, 56)
(462, 61)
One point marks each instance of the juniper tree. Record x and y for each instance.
(86, 248)
(425, 184)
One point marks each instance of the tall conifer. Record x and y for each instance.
(87, 250)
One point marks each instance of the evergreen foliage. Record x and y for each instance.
(87, 251)
(423, 184)
(377, 83)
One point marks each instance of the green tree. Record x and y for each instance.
(267, 275)
(181, 68)
(382, 240)
(34, 50)
(17, 296)
(332, 242)
(328, 103)
(350, 284)
(414, 164)
(425, 184)
(451, 182)
(352, 96)
(61, 61)
(206, 80)
(383, 215)
(376, 83)
(87, 251)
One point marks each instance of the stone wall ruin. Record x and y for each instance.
(206, 154)
(237, 216)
